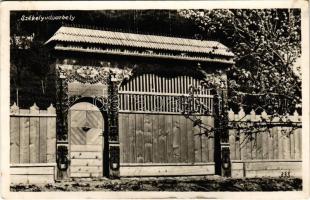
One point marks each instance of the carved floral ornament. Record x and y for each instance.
(92, 74)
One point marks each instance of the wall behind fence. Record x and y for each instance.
(163, 138)
(279, 143)
(32, 135)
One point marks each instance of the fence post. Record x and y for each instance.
(113, 135)
(217, 138)
(221, 136)
(225, 145)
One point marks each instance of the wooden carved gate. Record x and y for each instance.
(86, 140)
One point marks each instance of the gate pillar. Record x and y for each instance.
(114, 81)
(221, 138)
(114, 148)
(62, 106)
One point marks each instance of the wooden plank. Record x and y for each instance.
(167, 170)
(135, 103)
(139, 139)
(87, 154)
(232, 143)
(176, 139)
(286, 144)
(151, 103)
(85, 169)
(14, 140)
(160, 84)
(51, 140)
(253, 141)
(170, 86)
(124, 101)
(156, 84)
(297, 144)
(34, 142)
(148, 83)
(86, 162)
(155, 135)
(243, 141)
(85, 174)
(280, 143)
(144, 102)
(241, 117)
(237, 146)
(275, 142)
(265, 149)
(184, 144)
(174, 86)
(122, 136)
(187, 84)
(162, 140)
(272, 165)
(85, 148)
(292, 147)
(32, 170)
(141, 83)
(148, 99)
(132, 137)
(249, 143)
(182, 84)
(190, 141)
(210, 122)
(33, 179)
(34, 134)
(24, 137)
(121, 102)
(204, 142)
(51, 136)
(300, 143)
(147, 137)
(270, 142)
(43, 132)
(169, 134)
(179, 84)
(197, 140)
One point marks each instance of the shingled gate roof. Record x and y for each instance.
(91, 36)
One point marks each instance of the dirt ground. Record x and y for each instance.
(168, 184)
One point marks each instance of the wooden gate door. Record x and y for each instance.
(86, 140)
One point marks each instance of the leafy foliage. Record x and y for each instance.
(267, 44)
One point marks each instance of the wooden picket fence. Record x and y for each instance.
(32, 135)
(150, 93)
(275, 144)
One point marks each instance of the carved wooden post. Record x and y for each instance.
(114, 81)
(114, 148)
(217, 137)
(62, 107)
(221, 138)
(225, 146)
